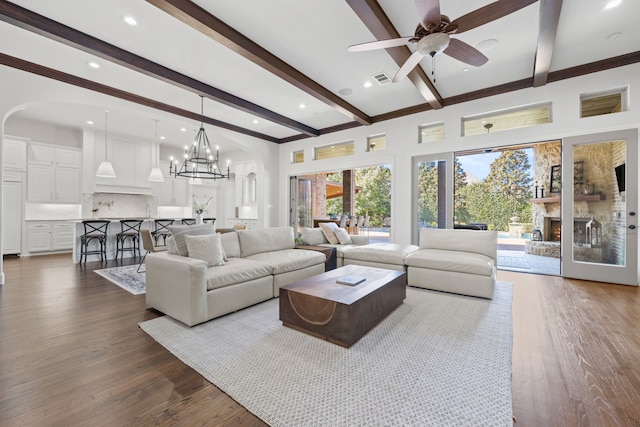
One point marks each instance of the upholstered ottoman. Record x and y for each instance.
(381, 255)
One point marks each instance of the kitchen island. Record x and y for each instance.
(112, 230)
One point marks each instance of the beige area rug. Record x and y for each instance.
(438, 360)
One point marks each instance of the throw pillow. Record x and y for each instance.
(180, 231)
(207, 247)
(312, 236)
(328, 229)
(342, 236)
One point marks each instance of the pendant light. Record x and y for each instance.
(156, 174)
(105, 170)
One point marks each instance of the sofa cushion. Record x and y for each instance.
(328, 229)
(207, 248)
(388, 253)
(236, 270)
(171, 246)
(478, 241)
(179, 231)
(289, 259)
(265, 240)
(462, 262)
(342, 236)
(230, 244)
(312, 236)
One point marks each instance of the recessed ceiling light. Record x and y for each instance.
(612, 3)
(367, 84)
(302, 106)
(162, 137)
(129, 20)
(183, 129)
(93, 64)
(255, 121)
(487, 45)
(465, 69)
(346, 91)
(89, 122)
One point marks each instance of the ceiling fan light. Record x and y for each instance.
(433, 44)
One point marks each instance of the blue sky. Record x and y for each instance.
(479, 165)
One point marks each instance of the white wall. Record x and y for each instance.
(402, 135)
(43, 132)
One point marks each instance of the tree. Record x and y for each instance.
(374, 199)
(428, 192)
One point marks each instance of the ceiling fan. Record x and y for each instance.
(432, 34)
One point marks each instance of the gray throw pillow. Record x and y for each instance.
(208, 248)
(180, 231)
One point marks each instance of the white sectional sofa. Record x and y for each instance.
(458, 261)
(258, 263)
(315, 237)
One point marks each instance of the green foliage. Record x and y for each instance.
(375, 197)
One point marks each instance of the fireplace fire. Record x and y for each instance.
(552, 230)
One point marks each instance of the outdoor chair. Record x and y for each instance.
(343, 221)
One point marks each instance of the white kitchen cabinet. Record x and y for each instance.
(39, 237)
(12, 218)
(173, 191)
(14, 154)
(53, 174)
(62, 237)
(47, 236)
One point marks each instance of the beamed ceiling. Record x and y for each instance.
(256, 62)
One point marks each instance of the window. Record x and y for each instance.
(598, 104)
(335, 150)
(297, 156)
(431, 133)
(506, 120)
(377, 142)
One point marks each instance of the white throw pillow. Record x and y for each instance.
(312, 236)
(180, 231)
(329, 228)
(207, 248)
(343, 236)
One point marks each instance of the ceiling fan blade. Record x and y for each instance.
(489, 13)
(465, 53)
(429, 13)
(380, 44)
(408, 65)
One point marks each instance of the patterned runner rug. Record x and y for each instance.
(126, 277)
(438, 360)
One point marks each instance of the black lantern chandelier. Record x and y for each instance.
(199, 159)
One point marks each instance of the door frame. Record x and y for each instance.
(627, 274)
(448, 157)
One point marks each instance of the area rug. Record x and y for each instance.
(438, 360)
(126, 277)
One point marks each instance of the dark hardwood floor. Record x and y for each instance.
(72, 354)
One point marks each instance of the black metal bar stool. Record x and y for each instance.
(129, 230)
(94, 230)
(161, 231)
(188, 221)
(209, 220)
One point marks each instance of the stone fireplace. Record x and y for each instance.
(552, 227)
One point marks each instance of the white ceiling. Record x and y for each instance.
(311, 36)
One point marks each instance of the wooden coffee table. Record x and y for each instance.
(341, 313)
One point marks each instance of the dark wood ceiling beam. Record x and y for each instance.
(209, 25)
(28, 20)
(30, 67)
(549, 18)
(372, 15)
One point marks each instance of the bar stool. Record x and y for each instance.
(188, 221)
(161, 230)
(129, 230)
(147, 244)
(209, 220)
(94, 230)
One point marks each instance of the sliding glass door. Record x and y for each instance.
(599, 209)
(432, 193)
